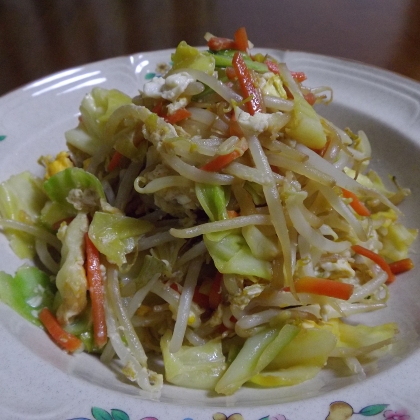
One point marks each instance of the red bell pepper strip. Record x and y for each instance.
(356, 204)
(241, 39)
(217, 44)
(377, 259)
(247, 84)
(215, 294)
(401, 266)
(115, 161)
(324, 287)
(299, 76)
(96, 293)
(201, 299)
(61, 337)
(221, 161)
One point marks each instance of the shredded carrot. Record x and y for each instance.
(310, 98)
(356, 204)
(324, 287)
(64, 339)
(178, 115)
(115, 161)
(299, 76)
(96, 293)
(234, 127)
(377, 259)
(401, 266)
(221, 161)
(232, 214)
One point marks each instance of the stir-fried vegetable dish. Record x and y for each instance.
(214, 219)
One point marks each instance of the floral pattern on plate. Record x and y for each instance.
(338, 410)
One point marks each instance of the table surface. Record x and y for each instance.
(40, 37)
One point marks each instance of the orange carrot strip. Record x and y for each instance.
(401, 266)
(221, 161)
(232, 214)
(178, 115)
(299, 76)
(115, 161)
(356, 204)
(377, 259)
(324, 287)
(310, 98)
(234, 127)
(96, 293)
(65, 340)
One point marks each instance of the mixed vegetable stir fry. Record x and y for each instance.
(214, 219)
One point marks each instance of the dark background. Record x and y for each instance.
(39, 37)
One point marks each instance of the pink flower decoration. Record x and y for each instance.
(396, 415)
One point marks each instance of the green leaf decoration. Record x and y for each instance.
(373, 410)
(119, 414)
(149, 76)
(101, 414)
(2, 137)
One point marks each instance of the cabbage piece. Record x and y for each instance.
(54, 213)
(71, 278)
(256, 191)
(21, 199)
(299, 360)
(257, 352)
(186, 57)
(305, 125)
(213, 200)
(75, 190)
(197, 367)
(397, 241)
(116, 235)
(29, 291)
(232, 255)
(356, 340)
(274, 87)
(96, 108)
(261, 246)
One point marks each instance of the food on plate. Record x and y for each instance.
(216, 220)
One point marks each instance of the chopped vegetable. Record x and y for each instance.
(401, 266)
(241, 40)
(65, 340)
(248, 86)
(221, 161)
(355, 203)
(324, 287)
(377, 259)
(96, 292)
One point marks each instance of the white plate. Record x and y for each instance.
(37, 380)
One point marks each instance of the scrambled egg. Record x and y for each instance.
(55, 165)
